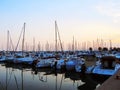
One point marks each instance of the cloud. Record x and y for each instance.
(111, 9)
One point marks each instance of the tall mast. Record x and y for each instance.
(23, 38)
(56, 36)
(57, 33)
(33, 44)
(7, 40)
(110, 43)
(39, 47)
(73, 44)
(60, 41)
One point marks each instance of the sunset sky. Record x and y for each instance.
(86, 20)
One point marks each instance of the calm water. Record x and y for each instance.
(18, 77)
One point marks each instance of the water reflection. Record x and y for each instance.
(21, 77)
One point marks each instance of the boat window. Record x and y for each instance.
(109, 65)
(105, 64)
(113, 64)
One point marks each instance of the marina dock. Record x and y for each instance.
(113, 83)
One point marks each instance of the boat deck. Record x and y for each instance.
(113, 83)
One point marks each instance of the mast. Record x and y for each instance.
(110, 43)
(57, 33)
(23, 38)
(7, 40)
(73, 44)
(60, 41)
(33, 44)
(26, 46)
(55, 36)
(39, 47)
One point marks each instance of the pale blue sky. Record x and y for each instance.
(86, 20)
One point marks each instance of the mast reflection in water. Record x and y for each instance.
(19, 77)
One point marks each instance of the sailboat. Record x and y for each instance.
(3, 54)
(9, 57)
(23, 57)
(74, 62)
(60, 58)
(53, 62)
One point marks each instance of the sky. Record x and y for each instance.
(85, 20)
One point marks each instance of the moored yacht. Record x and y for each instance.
(75, 63)
(45, 63)
(23, 58)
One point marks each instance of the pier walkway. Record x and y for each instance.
(113, 83)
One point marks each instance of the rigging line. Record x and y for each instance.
(11, 42)
(19, 38)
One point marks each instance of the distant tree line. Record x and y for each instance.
(106, 49)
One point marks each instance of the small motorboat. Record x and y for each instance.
(106, 65)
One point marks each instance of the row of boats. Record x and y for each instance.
(106, 63)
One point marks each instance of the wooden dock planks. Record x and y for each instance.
(112, 83)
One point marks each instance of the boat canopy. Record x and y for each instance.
(108, 62)
(108, 58)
